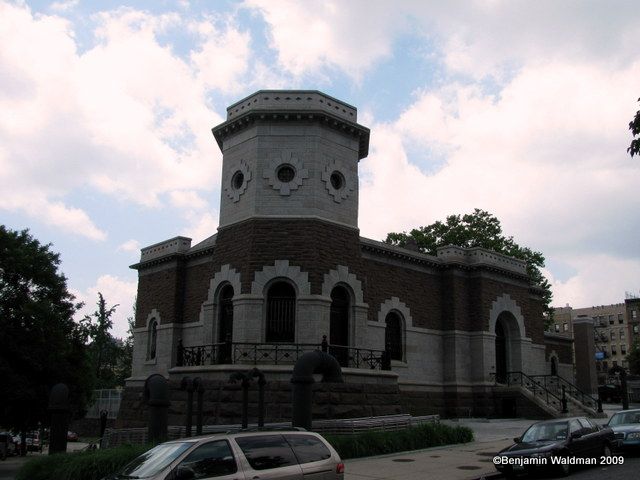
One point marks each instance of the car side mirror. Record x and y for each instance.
(576, 435)
(516, 440)
(185, 473)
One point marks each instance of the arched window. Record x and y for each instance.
(225, 314)
(393, 336)
(339, 325)
(281, 313)
(153, 339)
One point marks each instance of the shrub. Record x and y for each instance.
(89, 465)
(380, 442)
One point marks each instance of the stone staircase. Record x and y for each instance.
(547, 392)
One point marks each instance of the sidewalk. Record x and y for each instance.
(454, 462)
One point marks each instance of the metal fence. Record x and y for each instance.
(107, 399)
(345, 426)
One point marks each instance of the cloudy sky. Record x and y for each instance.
(520, 108)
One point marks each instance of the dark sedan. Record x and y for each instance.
(626, 426)
(556, 445)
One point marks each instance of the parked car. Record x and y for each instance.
(72, 436)
(34, 442)
(291, 455)
(610, 393)
(556, 445)
(626, 427)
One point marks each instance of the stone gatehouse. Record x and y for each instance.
(287, 266)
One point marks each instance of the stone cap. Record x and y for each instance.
(480, 256)
(295, 100)
(168, 247)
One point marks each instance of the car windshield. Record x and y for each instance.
(545, 432)
(624, 418)
(154, 461)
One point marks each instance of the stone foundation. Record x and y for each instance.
(223, 402)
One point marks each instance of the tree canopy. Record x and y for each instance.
(110, 357)
(634, 126)
(40, 344)
(477, 229)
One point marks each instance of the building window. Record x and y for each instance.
(623, 349)
(622, 334)
(634, 314)
(605, 366)
(393, 336)
(281, 313)
(614, 349)
(557, 328)
(610, 319)
(620, 319)
(615, 363)
(635, 329)
(153, 339)
(613, 334)
(565, 326)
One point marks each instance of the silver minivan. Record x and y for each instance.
(243, 455)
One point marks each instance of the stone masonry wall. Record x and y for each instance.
(223, 403)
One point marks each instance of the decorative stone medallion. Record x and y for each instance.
(336, 180)
(238, 180)
(285, 172)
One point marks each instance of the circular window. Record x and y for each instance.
(285, 173)
(237, 180)
(337, 180)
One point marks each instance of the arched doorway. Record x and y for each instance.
(339, 325)
(281, 313)
(501, 352)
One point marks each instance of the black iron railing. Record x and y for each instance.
(556, 383)
(534, 387)
(550, 388)
(246, 353)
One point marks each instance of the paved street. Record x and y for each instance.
(456, 462)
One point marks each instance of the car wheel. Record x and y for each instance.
(606, 450)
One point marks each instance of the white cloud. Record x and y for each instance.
(547, 156)
(200, 225)
(188, 199)
(115, 291)
(126, 117)
(64, 6)
(600, 279)
(222, 58)
(318, 33)
(131, 245)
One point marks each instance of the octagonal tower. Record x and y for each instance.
(290, 154)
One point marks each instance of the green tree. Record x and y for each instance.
(477, 229)
(125, 360)
(40, 344)
(103, 348)
(634, 126)
(633, 358)
(111, 357)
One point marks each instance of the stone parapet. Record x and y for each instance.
(480, 256)
(297, 100)
(168, 247)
